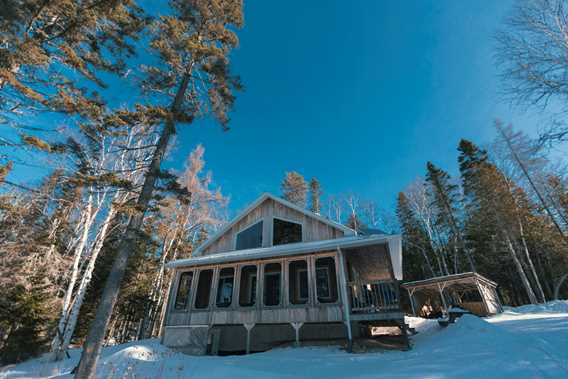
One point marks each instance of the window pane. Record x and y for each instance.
(203, 289)
(250, 238)
(184, 287)
(298, 282)
(272, 283)
(286, 232)
(247, 290)
(225, 287)
(326, 281)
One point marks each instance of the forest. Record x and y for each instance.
(83, 253)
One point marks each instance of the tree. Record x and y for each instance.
(491, 208)
(192, 43)
(444, 200)
(531, 52)
(294, 188)
(315, 195)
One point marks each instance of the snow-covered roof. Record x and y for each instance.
(393, 242)
(286, 203)
(447, 279)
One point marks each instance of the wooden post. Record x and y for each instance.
(297, 326)
(346, 305)
(411, 295)
(441, 289)
(482, 294)
(248, 327)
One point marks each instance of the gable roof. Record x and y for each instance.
(286, 203)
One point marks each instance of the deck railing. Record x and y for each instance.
(374, 296)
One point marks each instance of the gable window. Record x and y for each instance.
(326, 281)
(225, 287)
(250, 238)
(272, 283)
(183, 289)
(286, 232)
(203, 289)
(298, 282)
(247, 289)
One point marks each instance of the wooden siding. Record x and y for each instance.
(312, 229)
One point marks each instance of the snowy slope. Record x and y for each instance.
(524, 342)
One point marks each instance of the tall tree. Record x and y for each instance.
(315, 195)
(445, 198)
(294, 188)
(531, 50)
(490, 205)
(192, 42)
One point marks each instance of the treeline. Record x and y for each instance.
(506, 217)
(92, 94)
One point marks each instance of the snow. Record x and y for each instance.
(523, 342)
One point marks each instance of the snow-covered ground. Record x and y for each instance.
(523, 342)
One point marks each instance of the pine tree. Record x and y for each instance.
(294, 188)
(192, 42)
(490, 206)
(315, 195)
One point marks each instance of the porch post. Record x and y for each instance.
(344, 295)
(441, 289)
(411, 295)
(248, 327)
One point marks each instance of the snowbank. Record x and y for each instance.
(516, 345)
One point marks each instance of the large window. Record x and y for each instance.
(286, 232)
(298, 282)
(247, 289)
(203, 289)
(225, 287)
(183, 289)
(250, 238)
(272, 283)
(326, 281)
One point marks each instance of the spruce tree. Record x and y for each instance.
(294, 188)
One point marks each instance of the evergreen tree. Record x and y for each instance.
(491, 208)
(315, 195)
(294, 188)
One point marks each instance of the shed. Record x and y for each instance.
(470, 291)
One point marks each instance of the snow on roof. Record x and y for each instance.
(257, 202)
(448, 278)
(393, 242)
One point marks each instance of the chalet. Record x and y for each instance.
(280, 274)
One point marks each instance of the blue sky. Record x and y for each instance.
(359, 94)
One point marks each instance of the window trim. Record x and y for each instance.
(335, 258)
(309, 302)
(212, 289)
(218, 278)
(238, 290)
(286, 220)
(188, 306)
(281, 301)
(248, 226)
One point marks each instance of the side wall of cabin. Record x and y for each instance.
(312, 229)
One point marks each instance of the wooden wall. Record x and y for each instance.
(312, 229)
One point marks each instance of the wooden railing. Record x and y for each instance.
(375, 296)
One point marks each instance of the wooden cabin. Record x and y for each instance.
(280, 274)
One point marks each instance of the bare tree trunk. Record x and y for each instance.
(559, 285)
(95, 338)
(520, 270)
